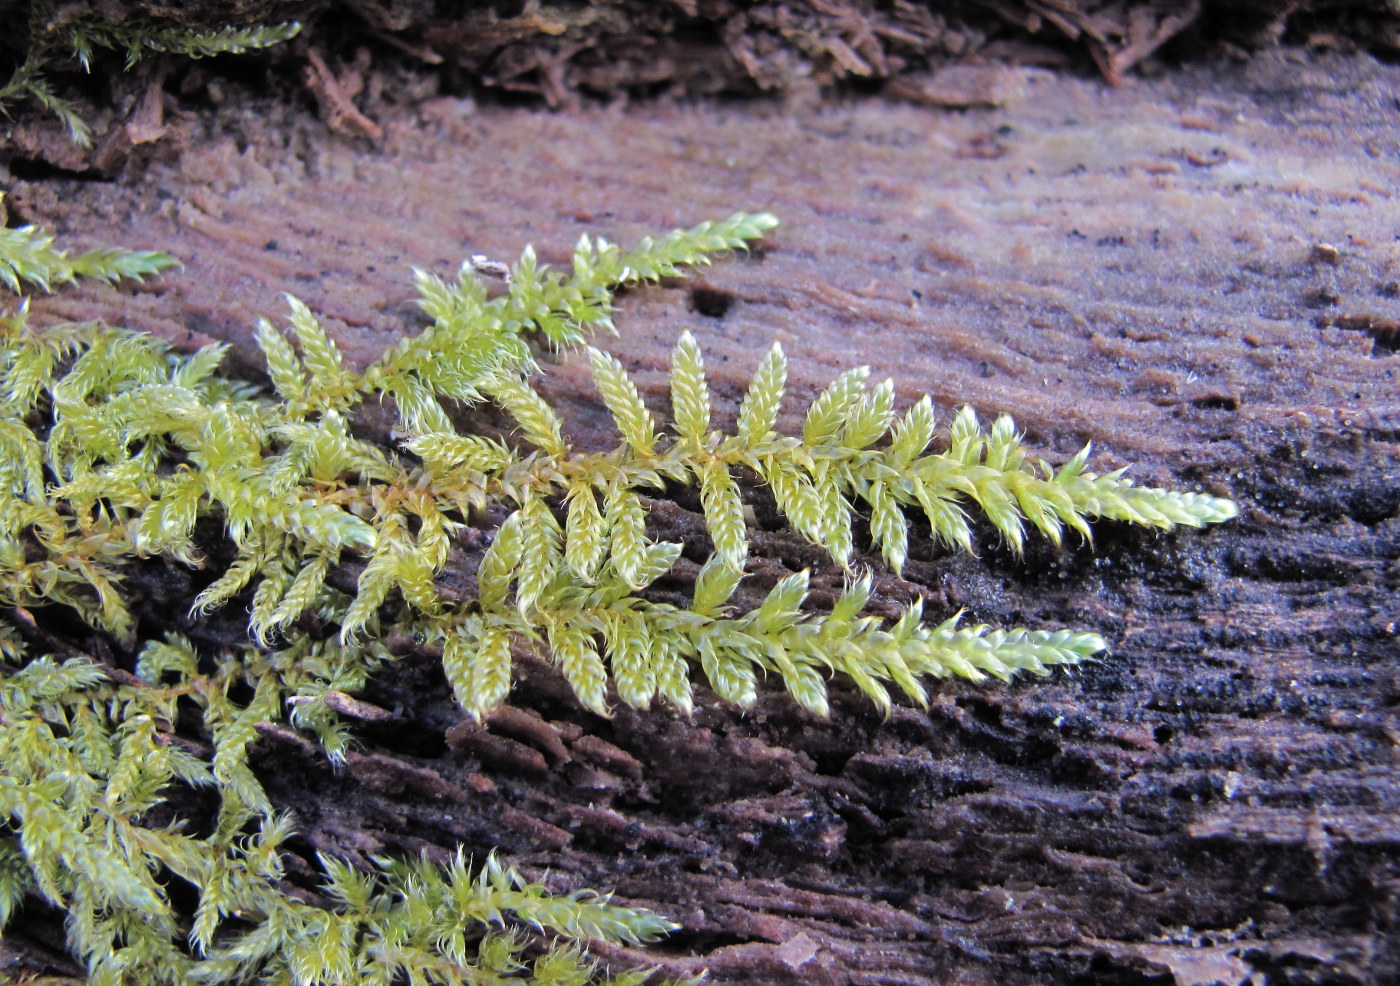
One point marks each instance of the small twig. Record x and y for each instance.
(334, 94)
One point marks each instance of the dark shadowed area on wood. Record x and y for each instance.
(1197, 271)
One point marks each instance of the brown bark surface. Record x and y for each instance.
(1200, 273)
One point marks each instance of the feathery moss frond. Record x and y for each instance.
(27, 254)
(758, 412)
(85, 758)
(52, 41)
(854, 450)
(620, 395)
(690, 398)
(112, 447)
(476, 344)
(139, 41)
(655, 259)
(295, 490)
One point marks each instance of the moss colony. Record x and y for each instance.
(114, 448)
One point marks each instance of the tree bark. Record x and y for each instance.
(1198, 273)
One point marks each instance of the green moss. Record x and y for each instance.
(113, 447)
(55, 38)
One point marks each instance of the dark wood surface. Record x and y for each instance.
(1200, 273)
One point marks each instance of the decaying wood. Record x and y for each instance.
(335, 93)
(1198, 273)
(564, 50)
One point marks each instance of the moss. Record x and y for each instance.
(113, 448)
(54, 37)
